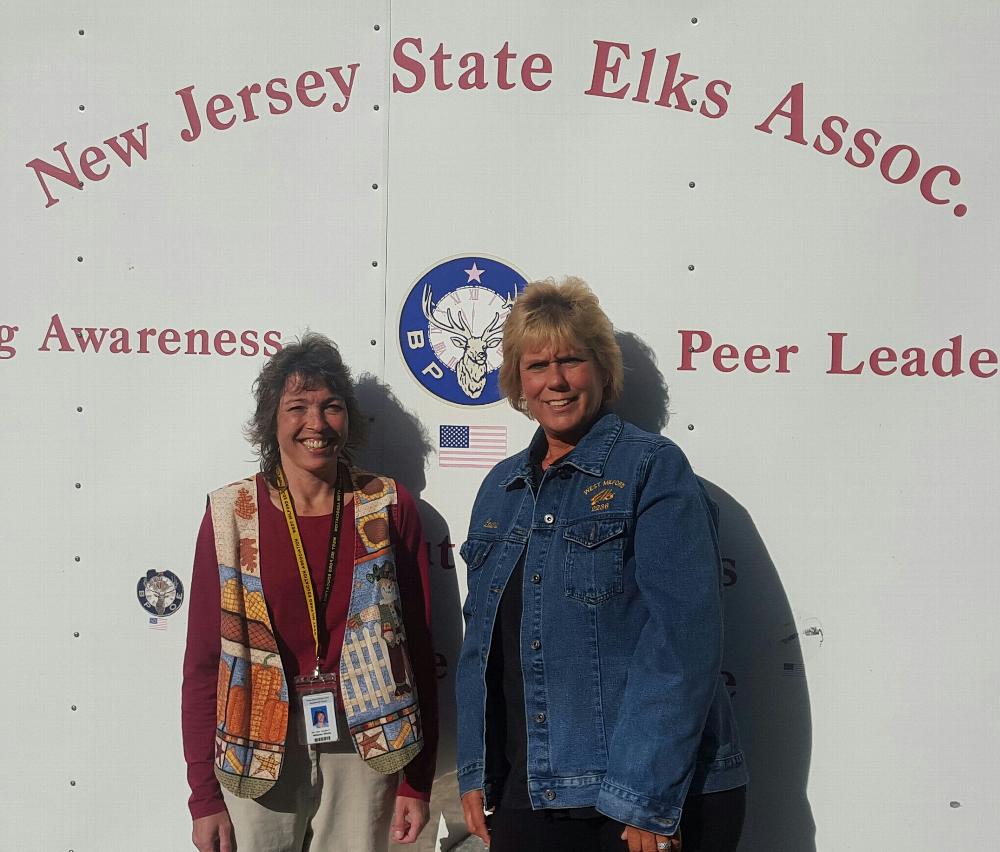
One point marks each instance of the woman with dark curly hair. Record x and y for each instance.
(310, 590)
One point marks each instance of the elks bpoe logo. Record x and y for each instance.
(451, 327)
(160, 593)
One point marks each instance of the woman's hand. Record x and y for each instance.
(640, 840)
(475, 818)
(409, 819)
(214, 833)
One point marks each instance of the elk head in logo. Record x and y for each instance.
(472, 368)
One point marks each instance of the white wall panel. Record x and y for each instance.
(854, 505)
(270, 225)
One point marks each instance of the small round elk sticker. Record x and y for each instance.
(160, 593)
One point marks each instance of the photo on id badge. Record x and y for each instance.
(318, 712)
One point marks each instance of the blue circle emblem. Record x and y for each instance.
(451, 327)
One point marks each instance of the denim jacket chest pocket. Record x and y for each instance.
(475, 552)
(594, 556)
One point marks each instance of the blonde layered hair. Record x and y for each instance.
(563, 314)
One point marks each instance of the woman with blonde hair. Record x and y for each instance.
(592, 712)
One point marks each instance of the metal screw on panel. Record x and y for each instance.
(694, 20)
(955, 804)
(72, 707)
(76, 558)
(78, 485)
(374, 186)
(82, 107)
(690, 427)
(372, 341)
(81, 32)
(374, 263)
(72, 783)
(691, 184)
(79, 257)
(694, 102)
(79, 408)
(377, 28)
(690, 267)
(76, 634)
(375, 107)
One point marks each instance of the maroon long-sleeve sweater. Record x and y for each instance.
(290, 619)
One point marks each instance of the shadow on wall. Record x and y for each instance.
(763, 655)
(645, 400)
(398, 446)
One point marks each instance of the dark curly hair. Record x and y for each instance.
(316, 361)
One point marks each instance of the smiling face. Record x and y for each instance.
(563, 389)
(312, 428)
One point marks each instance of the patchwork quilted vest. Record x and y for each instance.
(376, 678)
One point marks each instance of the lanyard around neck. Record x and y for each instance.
(300, 553)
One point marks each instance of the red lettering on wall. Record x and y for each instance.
(89, 158)
(899, 164)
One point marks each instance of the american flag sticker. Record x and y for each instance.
(157, 623)
(472, 446)
(793, 670)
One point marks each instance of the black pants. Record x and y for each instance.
(710, 823)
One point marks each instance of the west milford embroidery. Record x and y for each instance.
(602, 494)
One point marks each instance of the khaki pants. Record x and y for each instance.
(326, 800)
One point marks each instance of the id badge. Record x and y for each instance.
(319, 708)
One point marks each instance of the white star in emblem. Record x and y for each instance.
(474, 274)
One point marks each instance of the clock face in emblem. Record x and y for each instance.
(480, 314)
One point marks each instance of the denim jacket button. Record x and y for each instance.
(549, 519)
(536, 644)
(550, 794)
(540, 718)
(536, 578)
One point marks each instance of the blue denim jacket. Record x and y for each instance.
(621, 633)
